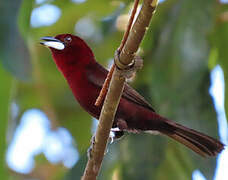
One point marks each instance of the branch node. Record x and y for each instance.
(129, 70)
(119, 64)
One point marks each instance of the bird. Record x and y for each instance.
(85, 76)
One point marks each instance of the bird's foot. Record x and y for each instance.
(115, 134)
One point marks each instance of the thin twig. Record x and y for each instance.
(115, 90)
(104, 89)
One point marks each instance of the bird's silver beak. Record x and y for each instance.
(52, 43)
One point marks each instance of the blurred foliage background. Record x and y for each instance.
(184, 42)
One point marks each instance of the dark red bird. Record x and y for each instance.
(85, 77)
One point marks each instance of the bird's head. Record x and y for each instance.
(68, 50)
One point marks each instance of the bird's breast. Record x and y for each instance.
(84, 92)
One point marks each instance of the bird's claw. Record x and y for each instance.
(115, 134)
(111, 137)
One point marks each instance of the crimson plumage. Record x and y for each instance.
(85, 77)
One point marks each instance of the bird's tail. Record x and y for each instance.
(200, 143)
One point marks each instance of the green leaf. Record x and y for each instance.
(5, 93)
(13, 53)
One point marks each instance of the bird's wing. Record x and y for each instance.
(132, 95)
(128, 93)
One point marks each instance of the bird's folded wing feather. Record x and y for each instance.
(96, 74)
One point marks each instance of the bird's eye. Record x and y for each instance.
(68, 39)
